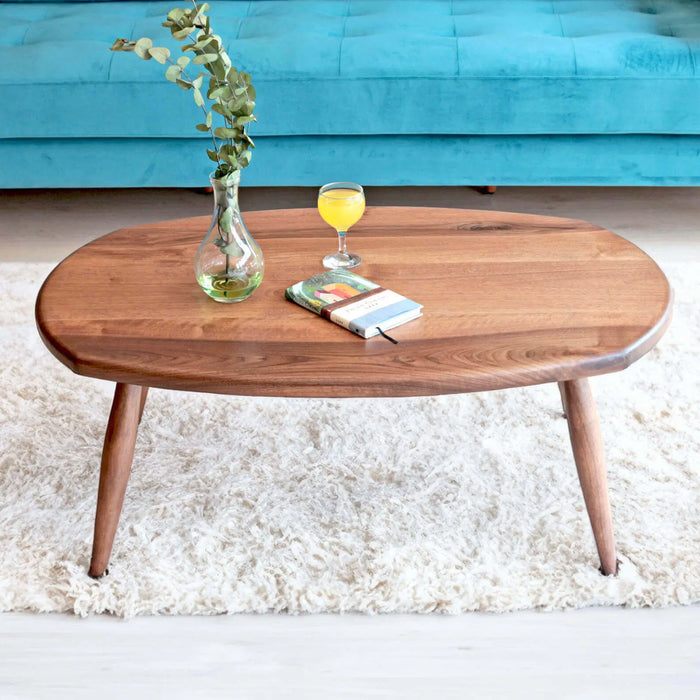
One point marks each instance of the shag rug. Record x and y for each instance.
(446, 504)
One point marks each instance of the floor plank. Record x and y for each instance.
(576, 654)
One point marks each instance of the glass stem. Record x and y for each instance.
(342, 246)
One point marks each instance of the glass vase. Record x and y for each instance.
(229, 263)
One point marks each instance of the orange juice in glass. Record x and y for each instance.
(341, 204)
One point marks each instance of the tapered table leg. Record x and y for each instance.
(563, 397)
(142, 405)
(117, 456)
(587, 446)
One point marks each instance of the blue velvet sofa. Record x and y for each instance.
(384, 92)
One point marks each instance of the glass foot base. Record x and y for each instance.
(341, 260)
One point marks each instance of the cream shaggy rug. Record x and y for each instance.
(446, 504)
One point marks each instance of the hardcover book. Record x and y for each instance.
(353, 302)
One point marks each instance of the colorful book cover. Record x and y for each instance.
(351, 301)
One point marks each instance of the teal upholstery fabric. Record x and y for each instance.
(371, 160)
(420, 69)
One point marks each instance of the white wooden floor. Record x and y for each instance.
(593, 653)
(596, 653)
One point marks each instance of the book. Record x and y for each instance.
(353, 302)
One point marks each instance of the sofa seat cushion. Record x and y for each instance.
(365, 67)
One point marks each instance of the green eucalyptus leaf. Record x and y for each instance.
(241, 121)
(202, 127)
(244, 158)
(223, 132)
(210, 41)
(251, 93)
(226, 219)
(247, 108)
(232, 74)
(229, 176)
(176, 14)
(212, 155)
(184, 84)
(233, 249)
(181, 34)
(173, 73)
(183, 61)
(222, 110)
(237, 104)
(244, 78)
(205, 58)
(160, 53)
(218, 68)
(198, 99)
(141, 48)
(197, 82)
(208, 120)
(220, 242)
(221, 91)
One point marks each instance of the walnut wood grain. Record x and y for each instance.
(509, 300)
(587, 447)
(117, 456)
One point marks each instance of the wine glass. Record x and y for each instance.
(341, 204)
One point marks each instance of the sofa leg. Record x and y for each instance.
(487, 189)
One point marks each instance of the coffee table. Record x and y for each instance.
(509, 300)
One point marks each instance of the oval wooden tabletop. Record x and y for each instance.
(509, 300)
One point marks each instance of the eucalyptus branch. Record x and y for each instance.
(230, 90)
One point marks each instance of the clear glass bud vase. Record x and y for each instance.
(229, 263)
